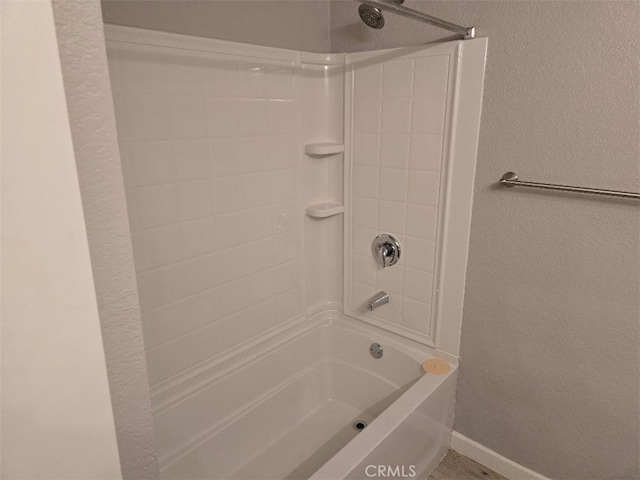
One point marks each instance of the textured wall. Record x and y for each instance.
(295, 24)
(549, 374)
(88, 95)
(57, 420)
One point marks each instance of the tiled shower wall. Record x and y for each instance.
(207, 144)
(399, 113)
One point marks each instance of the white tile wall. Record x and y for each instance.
(207, 144)
(399, 124)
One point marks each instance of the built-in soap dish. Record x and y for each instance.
(324, 210)
(323, 149)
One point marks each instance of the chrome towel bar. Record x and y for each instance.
(510, 179)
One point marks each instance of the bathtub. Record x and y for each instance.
(288, 409)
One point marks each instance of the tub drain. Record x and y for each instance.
(359, 425)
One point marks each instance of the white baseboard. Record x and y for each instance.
(492, 460)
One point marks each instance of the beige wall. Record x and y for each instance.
(57, 420)
(549, 375)
(297, 24)
(90, 104)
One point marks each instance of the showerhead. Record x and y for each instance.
(372, 16)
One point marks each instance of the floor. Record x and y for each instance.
(458, 467)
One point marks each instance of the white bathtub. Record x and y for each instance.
(288, 411)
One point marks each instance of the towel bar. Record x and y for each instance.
(510, 179)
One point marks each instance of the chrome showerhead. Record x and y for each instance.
(371, 16)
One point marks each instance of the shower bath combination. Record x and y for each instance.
(300, 214)
(248, 262)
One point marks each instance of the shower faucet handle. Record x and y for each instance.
(386, 250)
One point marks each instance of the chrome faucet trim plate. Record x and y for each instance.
(386, 250)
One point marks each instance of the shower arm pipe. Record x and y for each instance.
(466, 32)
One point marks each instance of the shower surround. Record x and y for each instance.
(256, 180)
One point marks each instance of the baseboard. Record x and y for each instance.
(492, 460)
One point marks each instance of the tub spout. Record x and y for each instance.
(378, 300)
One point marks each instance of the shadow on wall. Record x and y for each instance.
(298, 25)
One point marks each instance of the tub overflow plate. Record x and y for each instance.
(375, 349)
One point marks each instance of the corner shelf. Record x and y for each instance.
(324, 210)
(323, 149)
